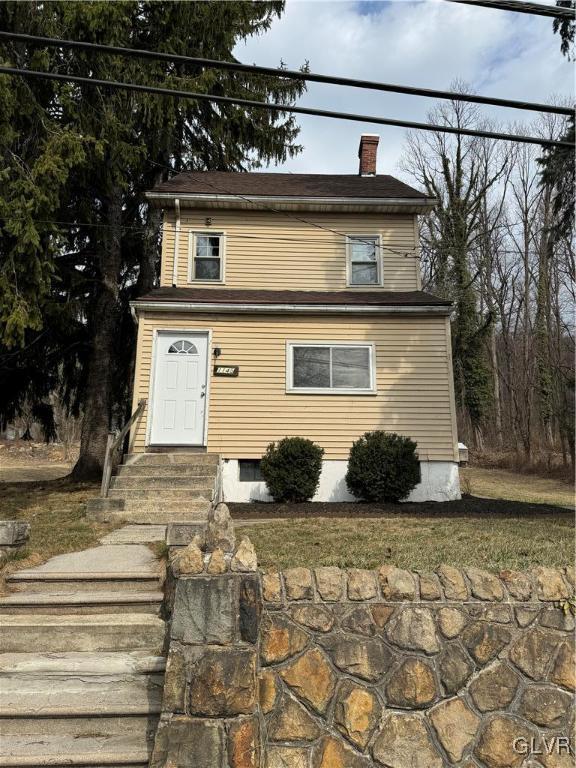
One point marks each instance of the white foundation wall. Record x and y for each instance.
(440, 482)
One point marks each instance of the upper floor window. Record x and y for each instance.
(364, 262)
(206, 257)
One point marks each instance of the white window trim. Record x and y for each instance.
(192, 234)
(379, 261)
(291, 389)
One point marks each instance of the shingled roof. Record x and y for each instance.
(309, 185)
(293, 298)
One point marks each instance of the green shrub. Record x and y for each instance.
(383, 467)
(292, 469)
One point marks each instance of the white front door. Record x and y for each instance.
(179, 390)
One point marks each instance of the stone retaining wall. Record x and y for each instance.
(392, 668)
(328, 668)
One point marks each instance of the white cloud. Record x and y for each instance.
(427, 44)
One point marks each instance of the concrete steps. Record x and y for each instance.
(191, 508)
(77, 697)
(159, 488)
(138, 493)
(46, 633)
(171, 514)
(81, 664)
(79, 602)
(42, 581)
(146, 512)
(163, 483)
(135, 534)
(89, 751)
(178, 458)
(166, 470)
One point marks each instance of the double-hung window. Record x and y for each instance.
(364, 261)
(330, 368)
(207, 257)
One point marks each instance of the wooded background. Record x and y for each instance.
(501, 245)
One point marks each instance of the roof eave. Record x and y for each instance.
(319, 309)
(284, 202)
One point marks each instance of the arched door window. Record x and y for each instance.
(182, 347)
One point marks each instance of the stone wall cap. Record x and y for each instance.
(449, 584)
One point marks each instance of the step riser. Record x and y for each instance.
(88, 586)
(66, 695)
(182, 470)
(79, 610)
(80, 665)
(194, 508)
(154, 517)
(162, 459)
(120, 761)
(161, 497)
(161, 483)
(42, 639)
(140, 725)
(141, 758)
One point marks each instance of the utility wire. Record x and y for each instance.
(536, 9)
(187, 229)
(289, 74)
(274, 107)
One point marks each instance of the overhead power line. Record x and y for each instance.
(274, 107)
(289, 74)
(184, 229)
(536, 9)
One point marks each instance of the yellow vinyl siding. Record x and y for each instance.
(246, 413)
(271, 251)
(167, 262)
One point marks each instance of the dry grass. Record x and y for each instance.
(504, 484)
(415, 542)
(494, 541)
(56, 513)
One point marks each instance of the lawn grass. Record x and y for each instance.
(415, 542)
(56, 512)
(504, 484)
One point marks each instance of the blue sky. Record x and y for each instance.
(429, 43)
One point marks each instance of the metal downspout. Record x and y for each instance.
(176, 243)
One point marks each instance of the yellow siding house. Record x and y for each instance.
(291, 305)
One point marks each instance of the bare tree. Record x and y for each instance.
(493, 245)
(459, 171)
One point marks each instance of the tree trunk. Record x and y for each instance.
(99, 388)
(496, 387)
(542, 326)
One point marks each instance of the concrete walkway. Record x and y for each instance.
(108, 558)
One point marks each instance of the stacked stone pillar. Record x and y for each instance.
(210, 716)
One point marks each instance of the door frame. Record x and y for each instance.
(207, 332)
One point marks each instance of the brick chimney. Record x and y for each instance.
(367, 152)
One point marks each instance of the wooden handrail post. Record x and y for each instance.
(112, 443)
(107, 471)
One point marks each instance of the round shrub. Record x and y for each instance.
(292, 469)
(383, 467)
